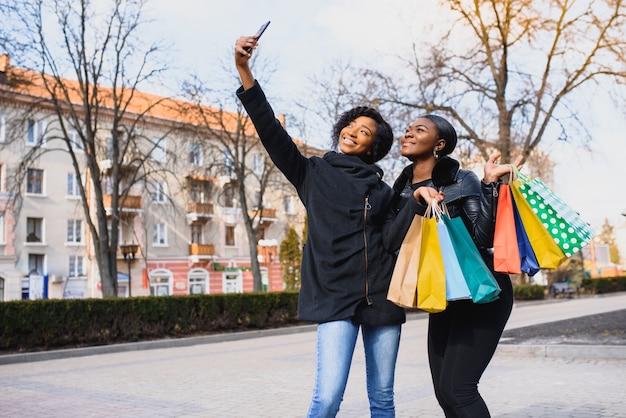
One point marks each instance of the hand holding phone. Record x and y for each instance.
(258, 34)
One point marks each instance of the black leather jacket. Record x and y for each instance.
(464, 194)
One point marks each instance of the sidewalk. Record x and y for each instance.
(272, 374)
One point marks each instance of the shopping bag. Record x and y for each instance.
(480, 280)
(571, 235)
(528, 261)
(403, 285)
(431, 277)
(548, 253)
(456, 286)
(564, 224)
(506, 256)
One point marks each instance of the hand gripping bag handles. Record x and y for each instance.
(431, 276)
(403, 285)
(482, 284)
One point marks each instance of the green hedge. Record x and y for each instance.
(604, 285)
(57, 323)
(529, 292)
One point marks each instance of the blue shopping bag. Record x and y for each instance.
(528, 260)
(456, 286)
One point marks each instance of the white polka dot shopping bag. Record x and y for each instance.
(563, 223)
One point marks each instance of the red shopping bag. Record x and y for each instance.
(506, 257)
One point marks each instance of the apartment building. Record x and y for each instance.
(182, 228)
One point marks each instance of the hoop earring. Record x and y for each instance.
(435, 154)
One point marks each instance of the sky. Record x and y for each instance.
(305, 37)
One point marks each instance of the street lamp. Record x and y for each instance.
(129, 251)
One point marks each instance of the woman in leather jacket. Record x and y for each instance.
(346, 269)
(463, 338)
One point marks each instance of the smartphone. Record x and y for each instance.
(259, 33)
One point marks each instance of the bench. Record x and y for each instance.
(563, 288)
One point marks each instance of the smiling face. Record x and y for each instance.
(420, 139)
(357, 137)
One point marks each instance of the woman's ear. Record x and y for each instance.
(441, 144)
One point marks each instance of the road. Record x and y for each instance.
(271, 374)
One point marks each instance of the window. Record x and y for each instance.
(73, 185)
(160, 194)
(160, 282)
(74, 231)
(36, 130)
(198, 282)
(159, 153)
(229, 196)
(34, 230)
(289, 204)
(76, 266)
(230, 236)
(160, 234)
(228, 163)
(257, 198)
(36, 264)
(74, 138)
(199, 191)
(196, 233)
(258, 164)
(2, 129)
(34, 181)
(195, 154)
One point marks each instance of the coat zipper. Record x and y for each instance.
(367, 290)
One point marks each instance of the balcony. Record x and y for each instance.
(201, 249)
(199, 211)
(131, 203)
(128, 165)
(267, 215)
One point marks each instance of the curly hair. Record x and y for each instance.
(383, 140)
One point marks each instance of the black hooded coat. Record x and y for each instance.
(346, 270)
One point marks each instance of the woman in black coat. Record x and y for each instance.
(346, 270)
(463, 338)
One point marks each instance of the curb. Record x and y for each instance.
(148, 345)
(617, 352)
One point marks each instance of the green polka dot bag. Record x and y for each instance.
(564, 224)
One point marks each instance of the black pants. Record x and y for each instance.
(461, 342)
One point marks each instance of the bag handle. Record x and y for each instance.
(518, 174)
(435, 210)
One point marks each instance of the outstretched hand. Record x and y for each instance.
(493, 170)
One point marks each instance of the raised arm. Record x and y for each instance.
(242, 57)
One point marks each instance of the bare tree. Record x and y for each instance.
(521, 64)
(100, 47)
(230, 137)
(509, 73)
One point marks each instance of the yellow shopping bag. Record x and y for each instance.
(431, 276)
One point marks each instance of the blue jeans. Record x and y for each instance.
(335, 346)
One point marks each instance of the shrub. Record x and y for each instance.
(57, 323)
(529, 292)
(604, 285)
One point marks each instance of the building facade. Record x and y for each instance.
(181, 223)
